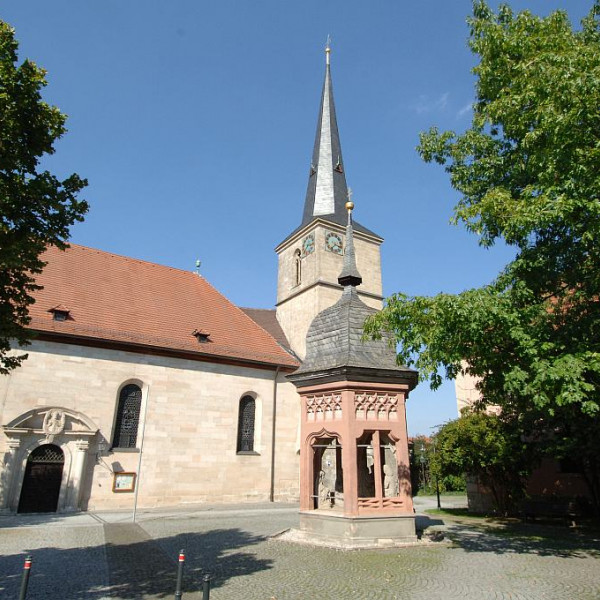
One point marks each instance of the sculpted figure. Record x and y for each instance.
(370, 459)
(390, 482)
(54, 422)
(324, 491)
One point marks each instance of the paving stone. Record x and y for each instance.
(115, 559)
(137, 567)
(68, 562)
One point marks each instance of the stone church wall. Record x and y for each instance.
(189, 451)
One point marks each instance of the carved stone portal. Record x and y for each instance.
(69, 431)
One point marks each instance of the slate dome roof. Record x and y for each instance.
(334, 338)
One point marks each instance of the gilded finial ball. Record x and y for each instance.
(349, 205)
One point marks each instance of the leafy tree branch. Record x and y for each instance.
(528, 173)
(36, 208)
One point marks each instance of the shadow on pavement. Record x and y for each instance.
(422, 522)
(138, 567)
(525, 539)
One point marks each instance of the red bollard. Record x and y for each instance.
(178, 592)
(25, 580)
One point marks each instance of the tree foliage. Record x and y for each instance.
(528, 172)
(424, 479)
(482, 445)
(36, 208)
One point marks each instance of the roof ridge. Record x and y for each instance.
(133, 259)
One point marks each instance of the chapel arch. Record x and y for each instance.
(326, 471)
(378, 471)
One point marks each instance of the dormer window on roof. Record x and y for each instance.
(201, 336)
(59, 313)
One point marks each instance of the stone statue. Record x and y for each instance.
(370, 459)
(324, 491)
(390, 482)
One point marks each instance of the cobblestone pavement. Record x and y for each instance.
(105, 556)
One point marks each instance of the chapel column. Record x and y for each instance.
(8, 470)
(77, 476)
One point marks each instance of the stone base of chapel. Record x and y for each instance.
(339, 531)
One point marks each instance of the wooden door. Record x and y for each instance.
(43, 476)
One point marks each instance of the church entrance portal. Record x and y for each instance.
(43, 476)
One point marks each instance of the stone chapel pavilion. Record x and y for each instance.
(144, 384)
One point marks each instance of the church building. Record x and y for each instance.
(144, 385)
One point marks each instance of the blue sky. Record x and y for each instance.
(194, 123)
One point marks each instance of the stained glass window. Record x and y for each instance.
(128, 417)
(245, 439)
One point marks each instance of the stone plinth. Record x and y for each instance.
(341, 531)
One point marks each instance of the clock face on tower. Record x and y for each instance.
(308, 244)
(333, 242)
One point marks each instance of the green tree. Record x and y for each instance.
(36, 208)
(528, 172)
(419, 465)
(486, 447)
(424, 480)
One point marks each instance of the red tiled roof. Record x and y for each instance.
(267, 319)
(128, 301)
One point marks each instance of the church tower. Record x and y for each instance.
(311, 257)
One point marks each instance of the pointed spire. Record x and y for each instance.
(327, 189)
(349, 275)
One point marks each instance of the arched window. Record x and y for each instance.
(298, 263)
(246, 419)
(128, 417)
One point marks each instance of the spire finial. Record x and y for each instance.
(327, 49)
(350, 204)
(349, 275)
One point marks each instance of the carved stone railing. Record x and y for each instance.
(380, 503)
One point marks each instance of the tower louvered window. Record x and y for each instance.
(245, 439)
(128, 417)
